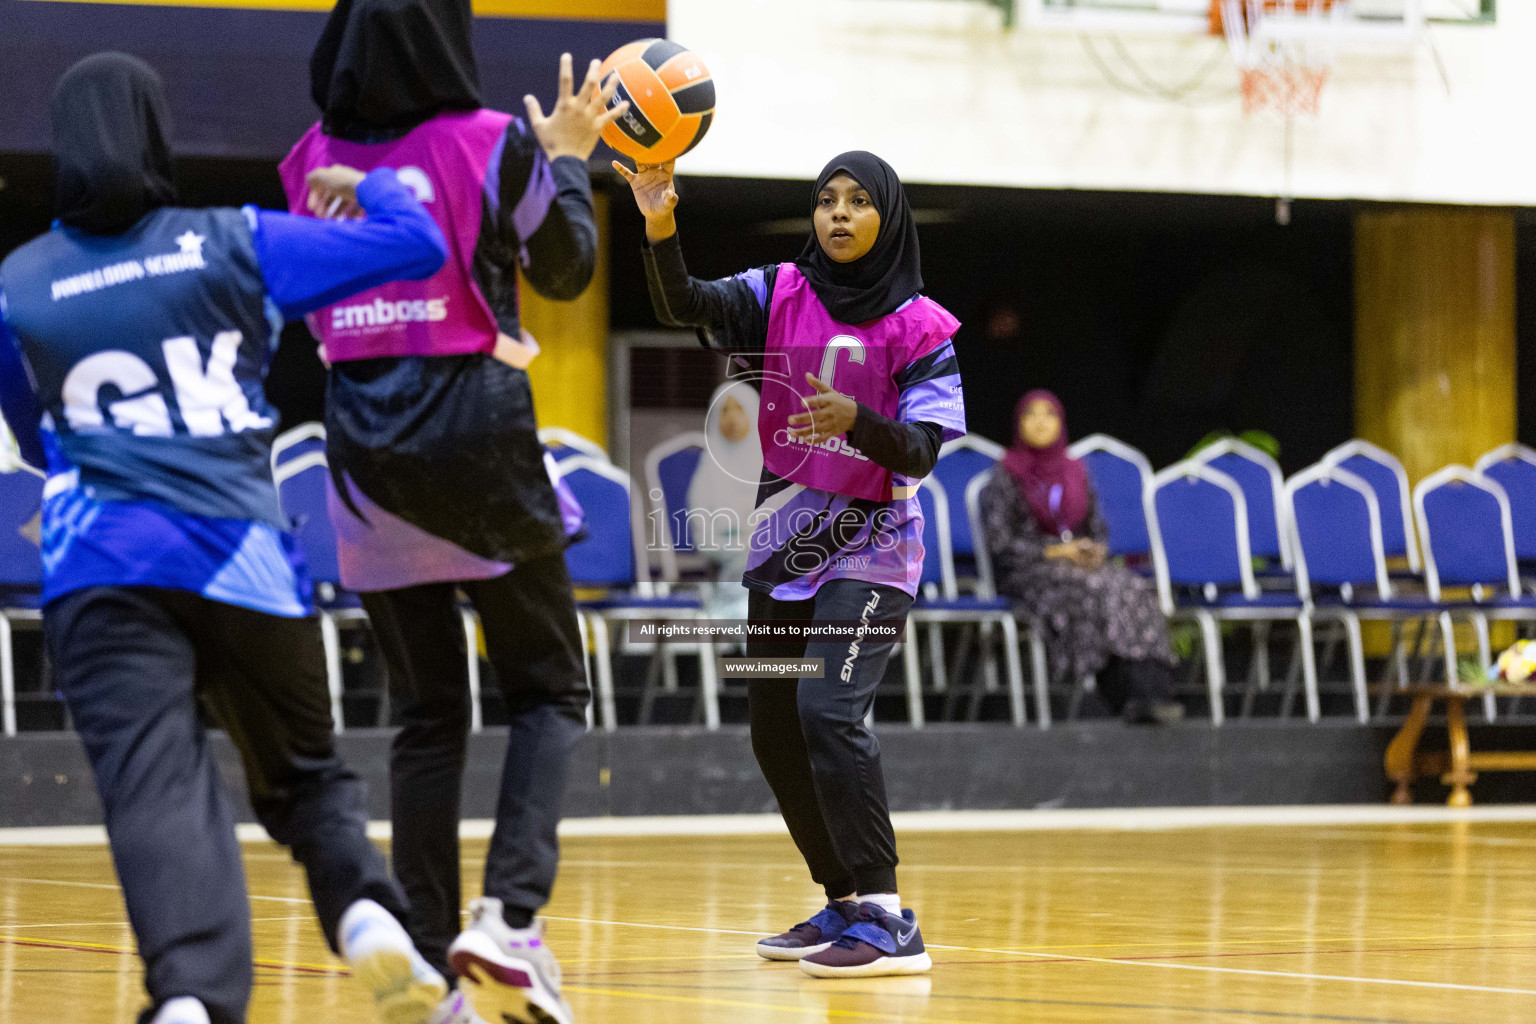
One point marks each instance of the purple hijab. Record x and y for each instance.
(1053, 483)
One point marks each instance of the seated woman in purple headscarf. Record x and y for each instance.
(1048, 549)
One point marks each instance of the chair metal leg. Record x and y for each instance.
(668, 668)
(936, 657)
(1040, 673)
(1015, 672)
(7, 678)
(988, 663)
(331, 642)
(1309, 667)
(912, 669)
(1448, 634)
(1215, 664)
(607, 713)
(1484, 659)
(709, 683)
(586, 661)
(1261, 654)
(472, 664)
(1357, 667)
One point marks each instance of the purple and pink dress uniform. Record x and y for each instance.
(833, 513)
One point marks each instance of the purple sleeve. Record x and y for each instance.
(758, 282)
(931, 393)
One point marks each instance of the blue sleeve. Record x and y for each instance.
(309, 263)
(18, 402)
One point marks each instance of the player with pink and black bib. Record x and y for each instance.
(439, 483)
(860, 388)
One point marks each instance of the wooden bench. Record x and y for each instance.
(1458, 766)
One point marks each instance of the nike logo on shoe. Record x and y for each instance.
(902, 938)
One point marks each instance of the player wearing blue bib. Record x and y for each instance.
(134, 340)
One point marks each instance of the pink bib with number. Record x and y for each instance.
(863, 361)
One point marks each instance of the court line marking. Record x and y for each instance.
(72, 945)
(1068, 958)
(820, 1011)
(118, 888)
(1038, 954)
(1059, 819)
(1045, 957)
(1203, 1011)
(127, 924)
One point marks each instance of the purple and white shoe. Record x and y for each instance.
(508, 973)
(811, 936)
(875, 944)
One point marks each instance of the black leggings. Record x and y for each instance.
(134, 663)
(820, 759)
(532, 640)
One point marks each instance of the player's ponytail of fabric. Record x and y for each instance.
(878, 282)
(382, 67)
(111, 123)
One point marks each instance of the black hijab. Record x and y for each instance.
(382, 67)
(891, 272)
(112, 160)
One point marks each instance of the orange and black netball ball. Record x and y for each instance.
(671, 100)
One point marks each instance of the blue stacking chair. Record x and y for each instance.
(1387, 478)
(613, 559)
(1513, 467)
(1198, 518)
(1339, 541)
(302, 482)
(961, 461)
(564, 444)
(1262, 483)
(939, 601)
(1120, 475)
(669, 469)
(1467, 536)
(21, 570)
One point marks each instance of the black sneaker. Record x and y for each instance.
(875, 944)
(811, 936)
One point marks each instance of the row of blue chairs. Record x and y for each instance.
(1326, 536)
(608, 566)
(1321, 541)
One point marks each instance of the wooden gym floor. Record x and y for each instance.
(1428, 923)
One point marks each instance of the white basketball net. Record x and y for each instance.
(1283, 50)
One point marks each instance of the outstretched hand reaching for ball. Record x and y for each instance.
(655, 195)
(578, 120)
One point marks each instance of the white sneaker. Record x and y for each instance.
(509, 974)
(182, 1010)
(456, 1010)
(405, 988)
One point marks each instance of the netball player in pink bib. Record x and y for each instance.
(860, 387)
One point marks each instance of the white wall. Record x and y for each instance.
(942, 91)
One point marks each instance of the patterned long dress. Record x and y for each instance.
(1086, 615)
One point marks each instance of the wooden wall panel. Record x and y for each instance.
(570, 376)
(1435, 332)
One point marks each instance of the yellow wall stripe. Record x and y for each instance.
(561, 10)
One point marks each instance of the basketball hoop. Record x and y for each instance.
(1283, 49)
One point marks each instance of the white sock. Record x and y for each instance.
(886, 901)
(182, 1010)
(359, 912)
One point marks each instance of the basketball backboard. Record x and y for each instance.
(1367, 19)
